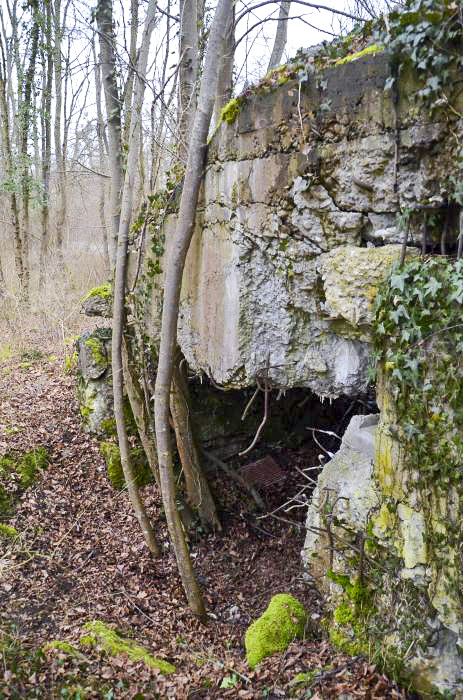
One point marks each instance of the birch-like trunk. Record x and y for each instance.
(175, 265)
(120, 280)
(281, 36)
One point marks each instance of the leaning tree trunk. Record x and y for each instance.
(280, 37)
(197, 487)
(120, 281)
(176, 262)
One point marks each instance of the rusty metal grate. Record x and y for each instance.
(263, 473)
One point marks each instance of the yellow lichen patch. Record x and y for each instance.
(387, 463)
(282, 622)
(104, 637)
(369, 51)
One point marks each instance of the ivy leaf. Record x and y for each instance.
(432, 287)
(397, 281)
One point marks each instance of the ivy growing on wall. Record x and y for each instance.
(419, 343)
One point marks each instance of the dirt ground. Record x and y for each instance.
(80, 556)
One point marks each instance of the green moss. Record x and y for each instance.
(100, 635)
(370, 50)
(7, 532)
(97, 349)
(30, 464)
(230, 111)
(104, 291)
(353, 647)
(282, 622)
(344, 614)
(112, 457)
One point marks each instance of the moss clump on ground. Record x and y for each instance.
(27, 466)
(282, 622)
(7, 532)
(104, 291)
(112, 457)
(98, 634)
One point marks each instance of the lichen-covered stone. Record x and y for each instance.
(94, 380)
(282, 622)
(98, 634)
(98, 301)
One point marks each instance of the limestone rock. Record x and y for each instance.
(94, 380)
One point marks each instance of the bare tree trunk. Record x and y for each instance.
(227, 61)
(8, 153)
(120, 278)
(128, 90)
(104, 16)
(198, 491)
(188, 72)
(140, 410)
(46, 142)
(281, 36)
(101, 158)
(25, 120)
(59, 134)
(176, 262)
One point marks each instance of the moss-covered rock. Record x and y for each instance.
(368, 51)
(112, 457)
(282, 622)
(100, 635)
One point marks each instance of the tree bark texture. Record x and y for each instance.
(140, 410)
(197, 487)
(188, 72)
(227, 61)
(120, 282)
(104, 17)
(175, 264)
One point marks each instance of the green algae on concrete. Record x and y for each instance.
(282, 622)
(98, 634)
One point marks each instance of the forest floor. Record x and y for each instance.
(80, 556)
